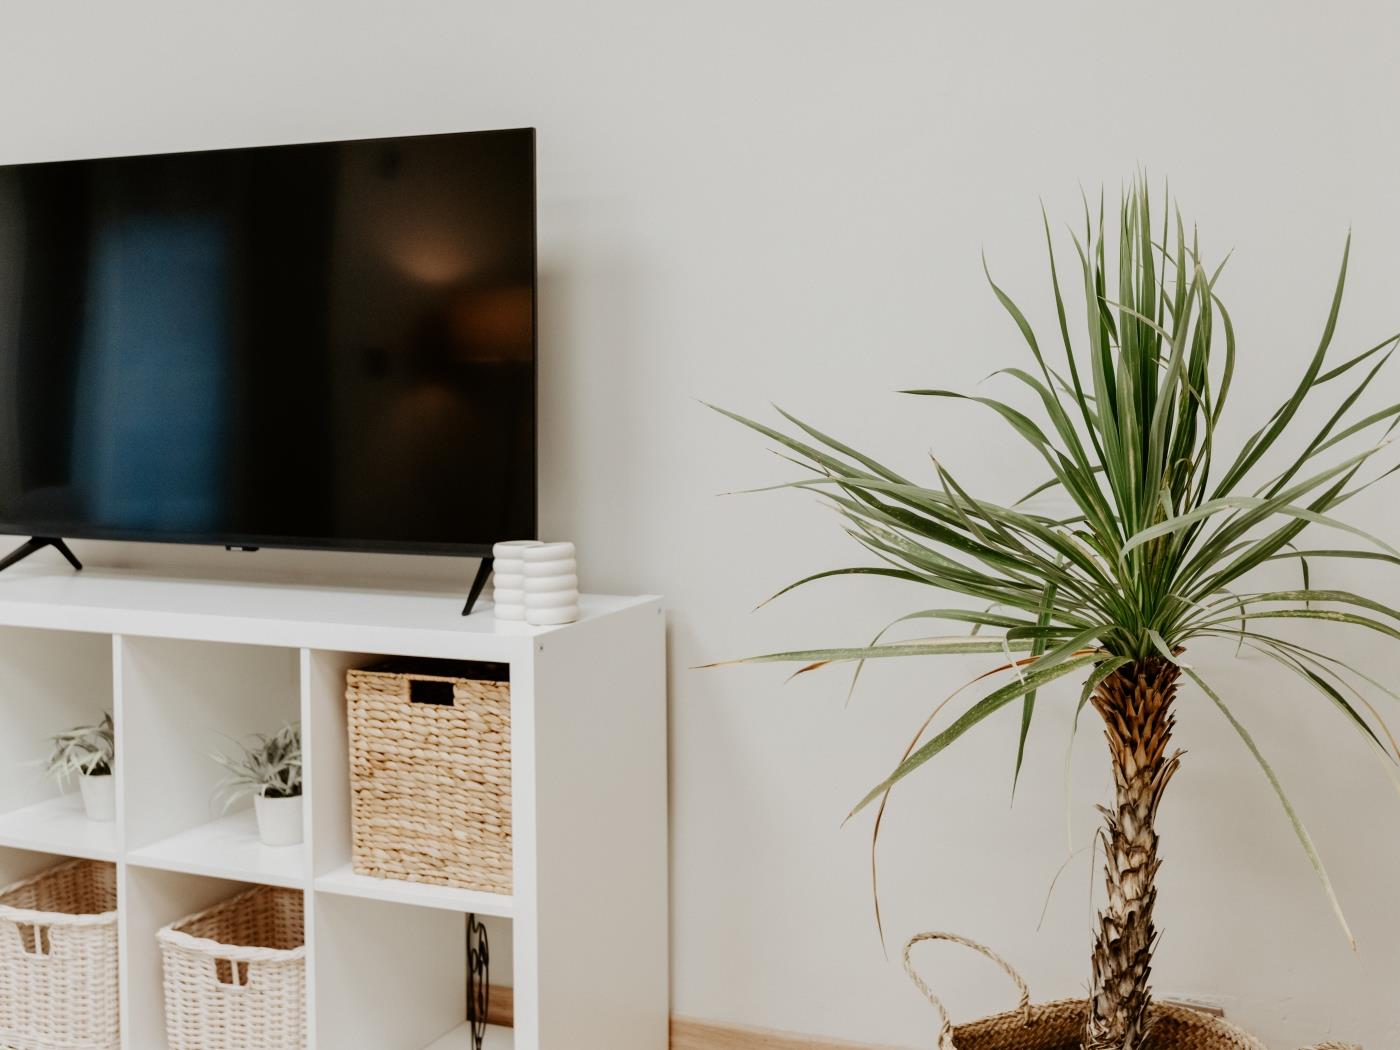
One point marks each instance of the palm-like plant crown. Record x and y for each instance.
(1165, 526)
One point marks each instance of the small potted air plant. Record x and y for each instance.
(270, 771)
(90, 753)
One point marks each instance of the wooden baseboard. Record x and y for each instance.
(704, 1035)
(500, 1007)
(687, 1034)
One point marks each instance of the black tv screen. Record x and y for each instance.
(321, 346)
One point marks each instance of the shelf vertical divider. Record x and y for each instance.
(592, 934)
(308, 773)
(525, 927)
(124, 941)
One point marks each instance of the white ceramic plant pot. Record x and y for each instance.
(279, 820)
(99, 796)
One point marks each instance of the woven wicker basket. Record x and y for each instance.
(430, 773)
(1060, 1025)
(58, 960)
(235, 975)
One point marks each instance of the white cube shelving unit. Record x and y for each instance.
(184, 664)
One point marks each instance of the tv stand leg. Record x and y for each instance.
(483, 572)
(38, 543)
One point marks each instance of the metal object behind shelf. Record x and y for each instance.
(478, 979)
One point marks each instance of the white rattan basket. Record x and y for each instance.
(58, 960)
(235, 975)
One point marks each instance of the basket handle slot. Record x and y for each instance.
(231, 973)
(35, 940)
(433, 691)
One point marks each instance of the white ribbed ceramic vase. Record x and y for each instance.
(551, 584)
(508, 578)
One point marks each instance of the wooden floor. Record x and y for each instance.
(699, 1035)
(702, 1035)
(687, 1034)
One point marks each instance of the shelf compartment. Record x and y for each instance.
(58, 825)
(152, 899)
(345, 883)
(50, 681)
(228, 848)
(181, 702)
(328, 786)
(386, 977)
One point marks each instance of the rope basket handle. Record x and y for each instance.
(945, 1027)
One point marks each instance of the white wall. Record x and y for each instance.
(786, 200)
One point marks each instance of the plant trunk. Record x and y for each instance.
(1135, 703)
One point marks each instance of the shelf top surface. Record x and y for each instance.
(226, 848)
(110, 601)
(58, 825)
(345, 882)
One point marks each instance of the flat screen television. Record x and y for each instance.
(322, 346)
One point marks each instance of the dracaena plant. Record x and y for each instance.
(1162, 533)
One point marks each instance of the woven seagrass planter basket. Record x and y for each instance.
(430, 773)
(1059, 1025)
(58, 960)
(235, 975)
